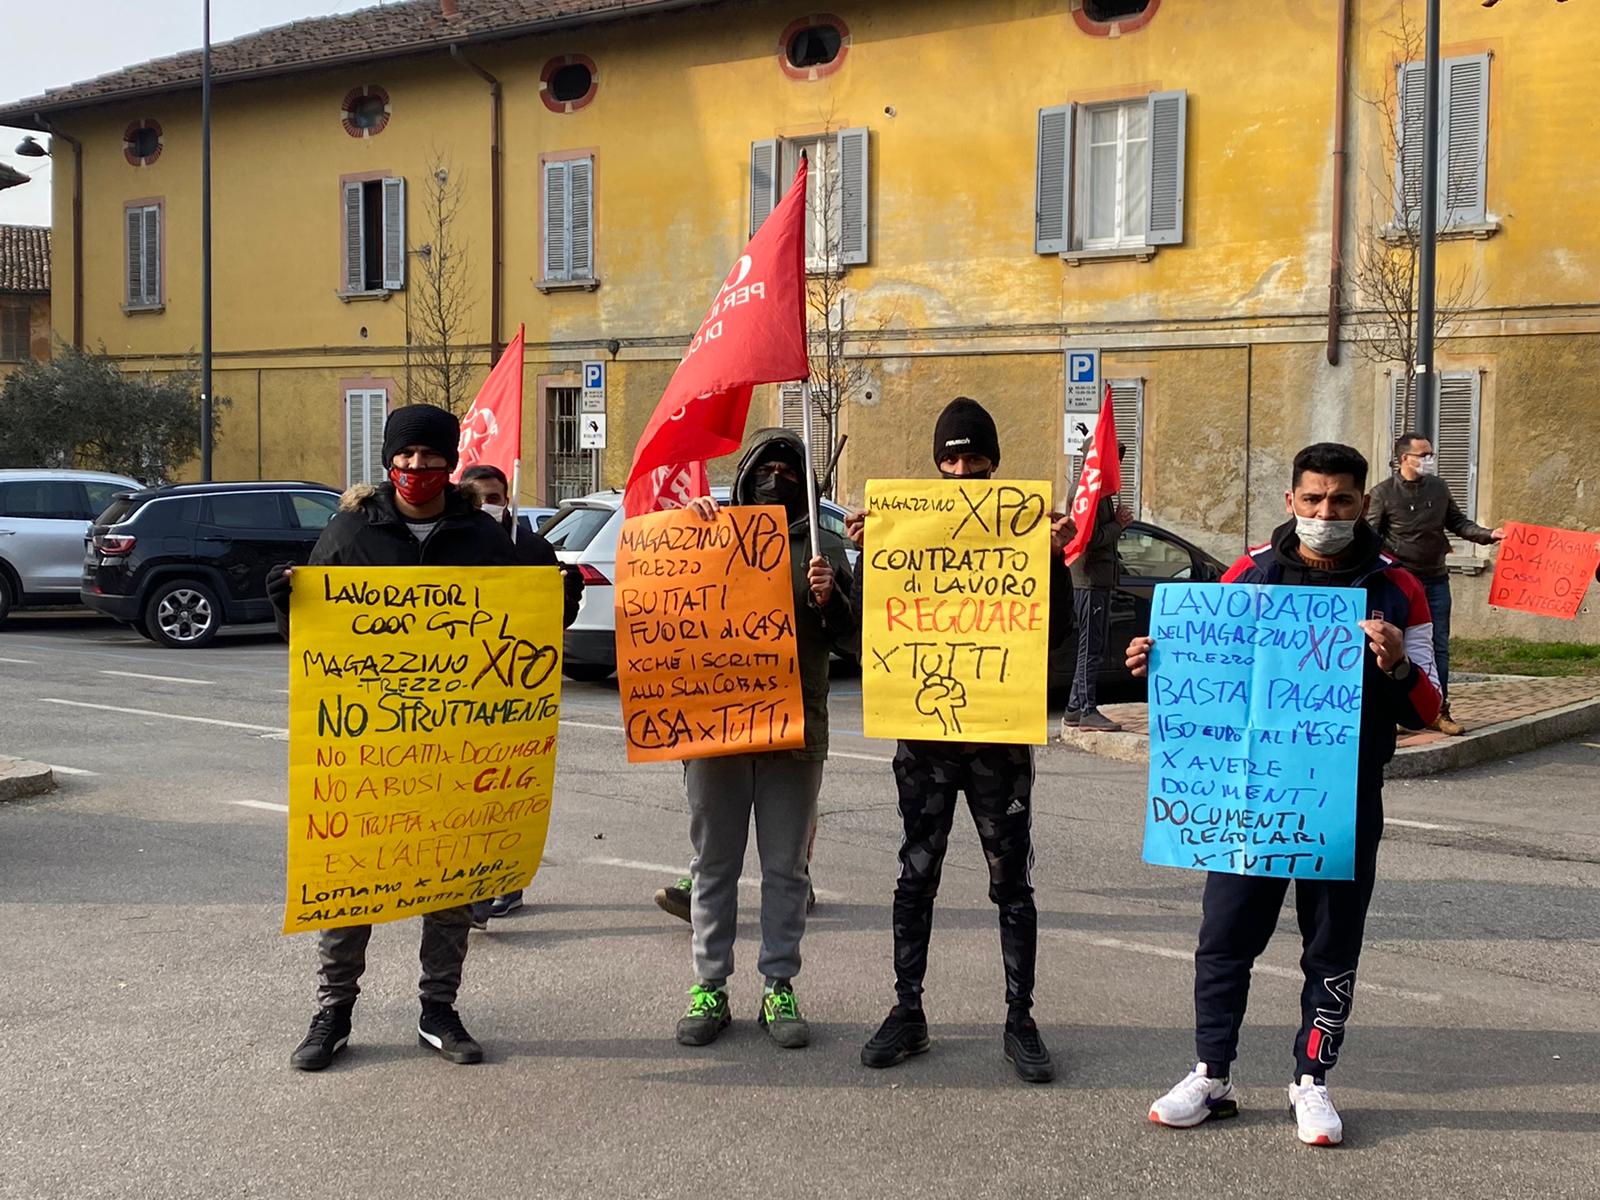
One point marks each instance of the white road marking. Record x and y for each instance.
(60, 770)
(1422, 825)
(262, 804)
(831, 754)
(1187, 956)
(161, 678)
(877, 758)
(22, 661)
(677, 872)
(592, 725)
(269, 730)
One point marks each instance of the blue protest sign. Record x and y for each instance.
(1255, 724)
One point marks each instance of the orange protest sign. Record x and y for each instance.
(1544, 570)
(706, 657)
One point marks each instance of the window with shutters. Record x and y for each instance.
(373, 234)
(791, 415)
(16, 334)
(837, 209)
(1109, 178)
(1127, 412)
(365, 410)
(1463, 143)
(567, 222)
(1455, 439)
(142, 256)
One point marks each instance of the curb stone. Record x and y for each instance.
(19, 778)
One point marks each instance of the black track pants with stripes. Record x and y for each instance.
(998, 782)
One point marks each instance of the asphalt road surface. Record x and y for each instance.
(148, 1003)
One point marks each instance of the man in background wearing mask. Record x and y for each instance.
(1323, 544)
(487, 487)
(780, 787)
(415, 518)
(1411, 510)
(998, 782)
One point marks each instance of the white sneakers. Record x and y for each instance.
(1198, 1098)
(1315, 1117)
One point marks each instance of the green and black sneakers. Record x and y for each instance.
(780, 1016)
(707, 1017)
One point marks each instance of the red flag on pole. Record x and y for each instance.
(491, 432)
(754, 332)
(1101, 476)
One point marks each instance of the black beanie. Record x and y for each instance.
(965, 427)
(421, 425)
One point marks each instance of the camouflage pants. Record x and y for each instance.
(998, 782)
(343, 958)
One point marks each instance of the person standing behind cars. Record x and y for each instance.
(1411, 511)
(487, 487)
(1094, 574)
(415, 518)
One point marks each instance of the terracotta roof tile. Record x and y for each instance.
(24, 258)
(379, 32)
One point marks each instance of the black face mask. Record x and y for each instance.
(974, 475)
(775, 489)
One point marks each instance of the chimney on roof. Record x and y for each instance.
(448, 8)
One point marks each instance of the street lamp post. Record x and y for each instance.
(1427, 258)
(205, 250)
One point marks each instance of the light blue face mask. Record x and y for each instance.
(1324, 537)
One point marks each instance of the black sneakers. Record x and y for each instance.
(441, 1029)
(1025, 1051)
(329, 1034)
(903, 1033)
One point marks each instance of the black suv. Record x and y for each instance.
(179, 562)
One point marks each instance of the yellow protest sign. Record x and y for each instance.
(706, 658)
(423, 709)
(956, 611)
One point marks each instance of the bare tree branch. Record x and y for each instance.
(441, 303)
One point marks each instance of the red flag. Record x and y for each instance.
(1101, 476)
(754, 332)
(491, 432)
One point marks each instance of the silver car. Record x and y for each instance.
(584, 533)
(44, 519)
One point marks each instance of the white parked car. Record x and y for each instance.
(584, 533)
(44, 519)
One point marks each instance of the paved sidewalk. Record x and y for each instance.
(1503, 715)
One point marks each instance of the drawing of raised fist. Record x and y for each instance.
(943, 696)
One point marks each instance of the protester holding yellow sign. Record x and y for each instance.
(962, 582)
(413, 519)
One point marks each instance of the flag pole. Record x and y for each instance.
(516, 494)
(809, 470)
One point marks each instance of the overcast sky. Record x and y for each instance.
(49, 44)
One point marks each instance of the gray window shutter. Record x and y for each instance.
(394, 234)
(135, 257)
(355, 255)
(355, 437)
(1169, 116)
(580, 178)
(377, 411)
(1457, 443)
(557, 263)
(763, 182)
(1052, 185)
(152, 255)
(1464, 108)
(791, 415)
(1409, 145)
(1402, 409)
(1127, 402)
(854, 207)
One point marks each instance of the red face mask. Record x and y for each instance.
(419, 488)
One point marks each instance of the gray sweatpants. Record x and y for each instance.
(343, 955)
(723, 792)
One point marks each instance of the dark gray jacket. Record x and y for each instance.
(1096, 567)
(1411, 516)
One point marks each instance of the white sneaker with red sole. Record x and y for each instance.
(1317, 1121)
(1196, 1099)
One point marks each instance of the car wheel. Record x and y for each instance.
(587, 672)
(7, 596)
(183, 614)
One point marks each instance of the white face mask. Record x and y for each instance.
(497, 511)
(1427, 465)
(1324, 537)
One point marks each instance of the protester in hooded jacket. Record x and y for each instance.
(998, 782)
(1325, 543)
(779, 787)
(416, 518)
(487, 487)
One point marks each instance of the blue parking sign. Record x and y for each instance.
(1083, 380)
(594, 376)
(1080, 366)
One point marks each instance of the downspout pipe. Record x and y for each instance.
(497, 267)
(77, 225)
(1341, 104)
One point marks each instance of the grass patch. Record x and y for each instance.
(1514, 656)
